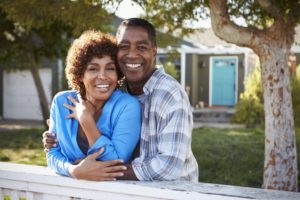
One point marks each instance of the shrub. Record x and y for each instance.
(250, 111)
(171, 69)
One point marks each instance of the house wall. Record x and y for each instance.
(188, 75)
(297, 58)
(197, 76)
(1, 92)
(20, 98)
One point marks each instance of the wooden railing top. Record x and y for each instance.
(42, 181)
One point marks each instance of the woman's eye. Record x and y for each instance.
(111, 68)
(92, 69)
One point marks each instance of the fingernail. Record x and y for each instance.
(121, 174)
(125, 168)
(54, 145)
(55, 140)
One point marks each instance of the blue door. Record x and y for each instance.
(223, 81)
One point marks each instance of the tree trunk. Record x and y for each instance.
(41, 94)
(272, 45)
(280, 166)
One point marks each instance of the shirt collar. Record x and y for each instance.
(150, 84)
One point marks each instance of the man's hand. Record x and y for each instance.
(129, 174)
(90, 169)
(49, 141)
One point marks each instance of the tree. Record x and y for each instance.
(170, 69)
(269, 31)
(32, 30)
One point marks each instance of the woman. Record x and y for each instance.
(94, 115)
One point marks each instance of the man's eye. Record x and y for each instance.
(143, 47)
(122, 47)
(111, 68)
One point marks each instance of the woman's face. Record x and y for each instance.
(100, 79)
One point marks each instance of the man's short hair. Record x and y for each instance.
(139, 22)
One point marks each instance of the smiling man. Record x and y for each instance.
(165, 144)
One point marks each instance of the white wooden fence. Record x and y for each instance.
(40, 183)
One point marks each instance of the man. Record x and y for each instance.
(165, 145)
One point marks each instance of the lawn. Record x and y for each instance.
(232, 156)
(22, 146)
(225, 156)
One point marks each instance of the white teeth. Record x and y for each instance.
(102, 86)
(133, 65)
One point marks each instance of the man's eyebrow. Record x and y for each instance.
(138, 42)
(144, 42)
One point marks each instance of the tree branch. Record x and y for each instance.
(270, 8)
(224, 28)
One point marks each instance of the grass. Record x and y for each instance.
(232, 156)
(22, 146)
(225, 156)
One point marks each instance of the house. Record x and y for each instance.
(211, 71)
(19, 97)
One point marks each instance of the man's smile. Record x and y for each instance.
(133, 66)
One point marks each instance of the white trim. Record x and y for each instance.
(210, 81)
(246, 64)
(203, 51)
(210, 76)
(182, 69)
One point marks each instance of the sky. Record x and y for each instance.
(129, 9)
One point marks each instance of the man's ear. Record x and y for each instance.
(154, 49)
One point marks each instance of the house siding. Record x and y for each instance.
(20, 96)
(1, 93)
(197, 76)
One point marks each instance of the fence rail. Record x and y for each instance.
(39, 183)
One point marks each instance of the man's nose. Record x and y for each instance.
(132, 53)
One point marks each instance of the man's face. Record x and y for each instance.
(136, 54)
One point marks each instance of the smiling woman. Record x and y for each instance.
(102, 123)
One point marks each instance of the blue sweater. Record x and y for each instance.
(119, 123)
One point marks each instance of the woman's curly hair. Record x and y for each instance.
(91, 44)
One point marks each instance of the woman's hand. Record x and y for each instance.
(85, 112)
(82, 110)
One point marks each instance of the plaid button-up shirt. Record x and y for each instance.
(167, 122)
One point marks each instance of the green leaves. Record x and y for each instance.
(33, 29)
(176, 16)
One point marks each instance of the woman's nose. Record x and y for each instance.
(101, 75)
